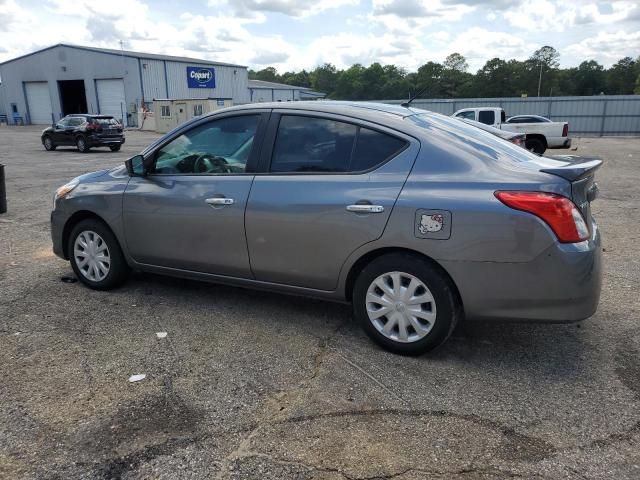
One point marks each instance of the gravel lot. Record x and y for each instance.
(263, 386)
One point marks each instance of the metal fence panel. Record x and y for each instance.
(587, 116)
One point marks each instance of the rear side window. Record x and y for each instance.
(487, 116)
(374, 148)
(308, 144)
(76, 121)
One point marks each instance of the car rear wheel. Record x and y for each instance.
(81, 144)
(114, 148)
(405, 304)
(535, 145)
(95, 255)
(48, 144)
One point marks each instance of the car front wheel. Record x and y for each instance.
(405, 304)
(48, 144)
(95, 255)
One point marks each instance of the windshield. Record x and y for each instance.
(483, 141)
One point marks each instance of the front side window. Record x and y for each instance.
(468, 115)
(218, 147)
(487, 117)
(308, 144)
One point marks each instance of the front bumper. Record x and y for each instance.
(57, 230)
(561, 285)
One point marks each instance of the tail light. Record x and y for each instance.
(560, 213)
(565, 130)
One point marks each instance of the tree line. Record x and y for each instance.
(540, 75)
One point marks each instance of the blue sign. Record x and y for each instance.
(201, 77)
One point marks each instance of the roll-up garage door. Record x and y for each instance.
(111, 98)
(39, 102)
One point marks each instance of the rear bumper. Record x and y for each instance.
(561, 285)
(96, 141)
(558, 142)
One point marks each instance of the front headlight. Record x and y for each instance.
(64, 190)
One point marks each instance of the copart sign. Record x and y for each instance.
(201, 77)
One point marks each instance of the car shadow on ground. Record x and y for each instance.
(534, 350)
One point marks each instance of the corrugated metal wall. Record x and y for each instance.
(259, 95)
(231, 82)
(3, 102)
(153, 79)
(589, 116)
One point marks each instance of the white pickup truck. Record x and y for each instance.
(541, 132)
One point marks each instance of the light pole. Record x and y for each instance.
(540, 79)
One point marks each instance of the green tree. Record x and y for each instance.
(621, 77)
(636, 90)
(455, 61)
(590, 78)
(323, 78)
(269, 74)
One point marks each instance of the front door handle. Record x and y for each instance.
(363, 208)
(219, 201)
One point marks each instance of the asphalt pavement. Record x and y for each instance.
(253, 385)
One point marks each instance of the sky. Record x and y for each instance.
(296, 34)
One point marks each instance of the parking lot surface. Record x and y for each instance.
(253, 385)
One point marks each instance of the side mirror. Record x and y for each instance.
(136, 166)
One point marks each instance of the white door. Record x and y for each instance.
(111, 98)
(39, 103)
(181, 112)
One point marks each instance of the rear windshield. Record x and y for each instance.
(105, 121)
(477, 138)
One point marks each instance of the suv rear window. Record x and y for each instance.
(310, 144)
(105, 121)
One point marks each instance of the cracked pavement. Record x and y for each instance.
(254, 385)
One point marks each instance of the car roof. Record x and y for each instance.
(385, 114)
(337, 106)
(532, 116)
(92, 115)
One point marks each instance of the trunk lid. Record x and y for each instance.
(580, 171)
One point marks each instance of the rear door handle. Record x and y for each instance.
(219, 201)
(359, 208)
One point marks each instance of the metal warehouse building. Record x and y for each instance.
(261, 91)
(46, 85)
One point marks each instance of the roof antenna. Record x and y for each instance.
(413, 97)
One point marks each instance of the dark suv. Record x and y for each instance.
(84, 131)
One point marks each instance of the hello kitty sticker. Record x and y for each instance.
(434, 224)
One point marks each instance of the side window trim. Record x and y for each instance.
(256, 148)
(271, 133)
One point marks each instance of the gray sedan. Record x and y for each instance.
(417, 219)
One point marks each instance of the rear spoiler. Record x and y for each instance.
(577, 167)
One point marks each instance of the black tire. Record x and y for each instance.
(115, 148)
(48, 144)
(448, 310)
(118, 269)
(535, 145)
(81, 144)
